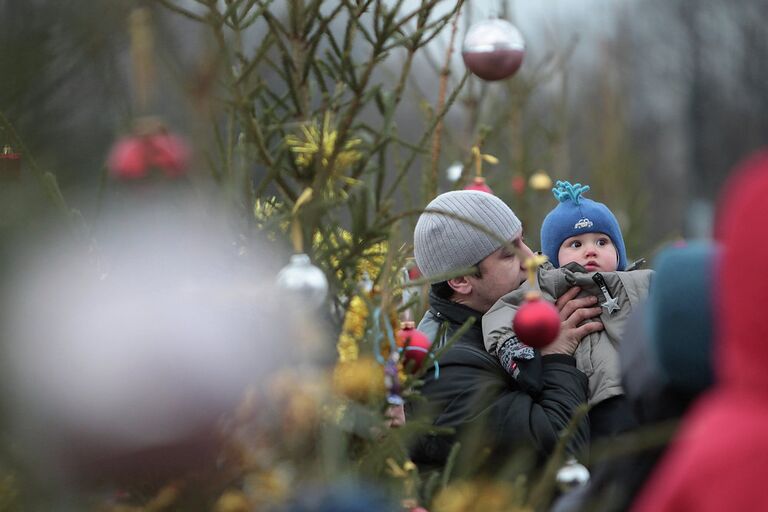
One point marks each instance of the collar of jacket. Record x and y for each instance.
(453, 312)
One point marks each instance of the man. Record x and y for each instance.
(492, 413)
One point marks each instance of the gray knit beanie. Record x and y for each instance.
(444, 243)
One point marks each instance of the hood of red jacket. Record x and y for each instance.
(741, 294)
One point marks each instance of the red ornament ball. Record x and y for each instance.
(169, 153)
(132, 157)
(415, 345)
(493, 49)
(518, 184)
(479, 184)
(537, 322)
(10, 163)
(127, 160)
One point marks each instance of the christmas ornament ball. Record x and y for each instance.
(453, 172)
(127, 160)
(480, 185)
(493, 49)
(415, 346)
(169, 153)
(304, 279)
(10, 163)
(571, 475)
(132, 157)
(537, 322)
(149, 339)
(518, 184)
(540, 181)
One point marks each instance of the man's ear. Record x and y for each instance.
(460, 285)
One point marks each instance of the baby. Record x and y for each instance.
(582, 237)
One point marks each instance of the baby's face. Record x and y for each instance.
(593, 251)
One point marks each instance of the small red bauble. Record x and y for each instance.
(537, 322)
(518, 184)
(479, 184)
(415, 345)
(169, 153)
(132, 157)
(127, 160)
(414, 273)
(10, 163)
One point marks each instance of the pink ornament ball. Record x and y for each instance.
(480, 185)
(132, 157)
(127, 159)
(493, 49)
(169, 153)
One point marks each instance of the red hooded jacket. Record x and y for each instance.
(720, 456)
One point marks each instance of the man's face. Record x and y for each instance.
(500, 273)
(593, 251)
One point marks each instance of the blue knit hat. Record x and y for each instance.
(576, 215)
(681, 328)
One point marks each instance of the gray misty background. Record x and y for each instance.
(652, 102)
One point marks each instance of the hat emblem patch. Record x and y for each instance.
(583, 223)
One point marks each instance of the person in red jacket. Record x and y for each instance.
(718, 459)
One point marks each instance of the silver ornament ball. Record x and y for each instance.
(304, 279)
(571, 475)
(493, 49)
(130, 373)
(453, 172)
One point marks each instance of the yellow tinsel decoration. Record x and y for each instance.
(353, 330)
(323, 140)
(370, 261)
(360, 380)
(233, 501)
(487, 496)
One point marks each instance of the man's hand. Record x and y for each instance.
(573, 312)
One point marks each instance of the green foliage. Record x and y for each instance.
(300, 91)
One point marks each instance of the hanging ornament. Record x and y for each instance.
(300, 276)
(479, 182)
(493, 49)
(150, 146)
(537, 322)
(415, 346)
(518, 184)
(304, 279)
(540, 181)
(571, 475)
(126, 159)
(453, 173)
(10, 163)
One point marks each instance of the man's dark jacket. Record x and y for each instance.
(492, 413)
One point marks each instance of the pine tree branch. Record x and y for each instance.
(445, 73)
(168, 4)
(428, 134)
